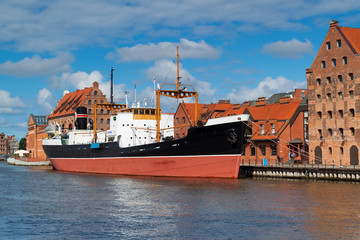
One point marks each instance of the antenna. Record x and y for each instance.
(154, 97)
(112, 86)
(135, 93)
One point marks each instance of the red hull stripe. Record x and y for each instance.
(220, 166)
(81, 116)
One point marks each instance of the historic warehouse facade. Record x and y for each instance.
(334, 98)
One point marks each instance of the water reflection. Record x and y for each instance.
(45, 204)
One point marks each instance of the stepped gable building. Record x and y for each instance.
(34, 137)
(334, 98)
(64, 113)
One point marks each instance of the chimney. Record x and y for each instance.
(333, 23)
(261, 101)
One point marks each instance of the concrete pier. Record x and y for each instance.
(304, 171)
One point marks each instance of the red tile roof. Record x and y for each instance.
(353, 36)
(70, 102)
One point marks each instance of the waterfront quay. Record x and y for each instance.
(301, 171)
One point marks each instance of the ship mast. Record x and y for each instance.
(178, 93)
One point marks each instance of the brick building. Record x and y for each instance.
(35, 135)
(13, 145)
(4, 144)
(277, 126)
(334, 98)
(64, 113)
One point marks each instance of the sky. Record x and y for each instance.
(229, 49)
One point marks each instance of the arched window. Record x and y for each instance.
(95, 92)
(101, 111)
(354, 155)
(89, 111)
(89, 102)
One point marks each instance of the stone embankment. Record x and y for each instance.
(304, 171)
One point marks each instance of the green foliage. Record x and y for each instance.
(22, 144)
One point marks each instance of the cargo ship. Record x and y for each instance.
(141, 141)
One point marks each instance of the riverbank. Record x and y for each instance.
(303, 171)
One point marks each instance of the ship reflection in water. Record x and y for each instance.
(45, 204)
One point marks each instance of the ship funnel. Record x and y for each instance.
(81, 118)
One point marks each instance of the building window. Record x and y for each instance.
(273, 150)
(108, 121)
(101, 101)
(89, 111)
(329, 114)
(318, 81)
(351, 76)
(318, 97)
(89, 102)
(340, 78)
(95, 102)
(101, 111)
(183, 119)
(101, 120)
(328, 46)
(333, 61)
(338, 43)
(108, 111)
(262, 128)
(319, 114)
(351, 94)
(263, 150)
(330, 131)
(320, 133)
(352, 112)
(95, 93)
(329, 79)
(330, 150)
(328, 96)
(341, 150)
(177, 120)
(273, 128)
(344, 60)
(352, 131)
(340, 95)
(341, 132)
(252, 148)
(341, 113)
(323, 64)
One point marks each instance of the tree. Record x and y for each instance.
(22, 144)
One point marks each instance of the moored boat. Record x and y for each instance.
(140, 142)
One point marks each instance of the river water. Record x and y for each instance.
(38, 203)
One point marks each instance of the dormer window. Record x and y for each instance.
(328, 46)
(338, 43)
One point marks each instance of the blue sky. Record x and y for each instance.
(229, 49)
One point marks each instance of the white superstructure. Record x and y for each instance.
(137, 126)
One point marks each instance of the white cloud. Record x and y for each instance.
(288, 49)
(81, 80)
(168, 71)
(162, 50)
(10, 105)
(67, 24)
(45, 99)
(265, 88)
(37, 66)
